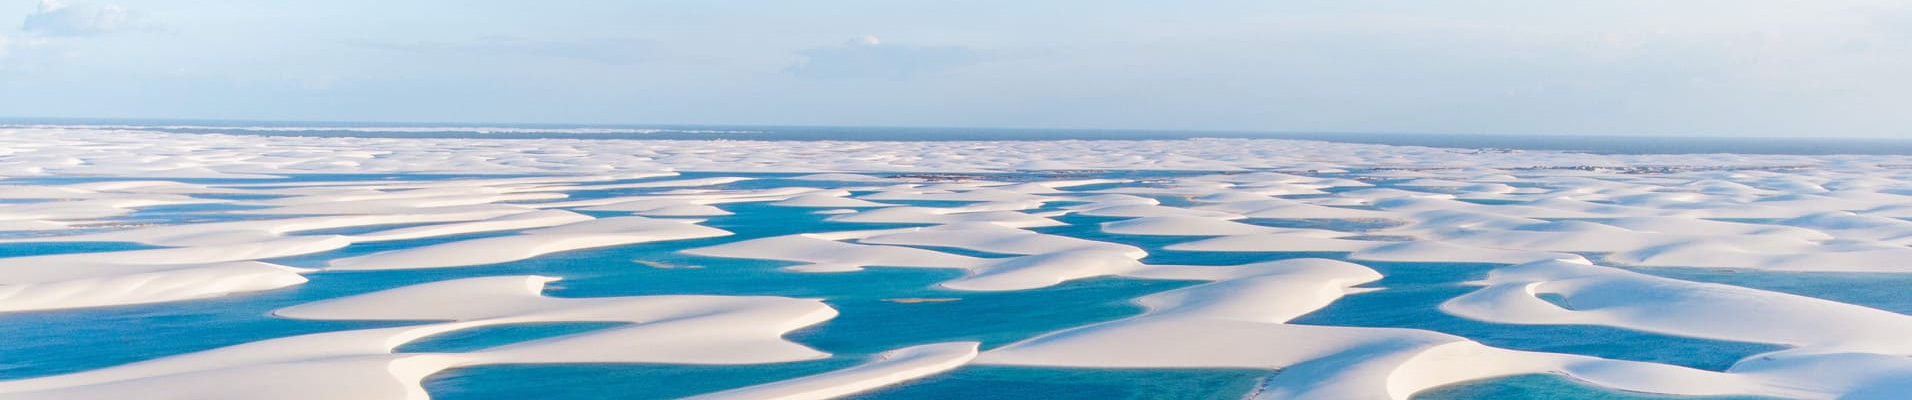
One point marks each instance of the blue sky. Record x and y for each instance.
(1634, 67)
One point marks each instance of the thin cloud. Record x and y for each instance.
(869, 56)
(603, 51)
(57, 18)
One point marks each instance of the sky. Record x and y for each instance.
(1792, 68)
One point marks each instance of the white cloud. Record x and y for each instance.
(57, 18)
(4, 45)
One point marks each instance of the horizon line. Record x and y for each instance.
(18, 120)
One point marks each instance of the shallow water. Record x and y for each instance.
(613, 381)
(992, 382)
(1414, 292)
(1877, 290)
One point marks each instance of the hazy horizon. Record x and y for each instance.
(235, 123)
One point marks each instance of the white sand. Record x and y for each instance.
(359, 364)
(151, 276)
(532, 243)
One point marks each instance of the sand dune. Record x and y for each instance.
(359, 364)
(1543, 219)
(532, 243)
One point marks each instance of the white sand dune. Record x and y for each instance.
(509, 222)
(1044, 270)
(939, 216)
(838, 177)
(79, 280)
(376, 193)
(994, 238)
(1435, 251)
(1398, 375)
(1798, 256)
(1112, 199)
(827, 200)
(1605, 296)
(1282, 242)
(677, 197)
(1849, 361)
(1235, 322)
(532, 243)
(99, 285)
(1697, 226)
(397, 206)
(247, 231)
(1239, 322)
(1283, 208)
(1532, 211)
(970, 193)
(657, 205)
(1150, 210)
(1181, 225)
(334, 365)
(285, 247)
(675, 183)
(687, 329)
(92, 207)
(359, 364)
(831, 255)
(1582, 236)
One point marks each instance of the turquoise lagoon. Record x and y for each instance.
(872, 318)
